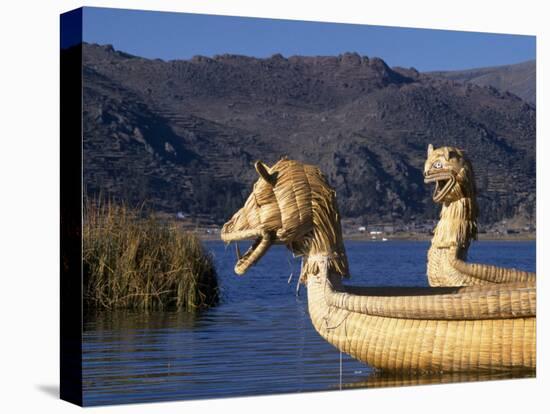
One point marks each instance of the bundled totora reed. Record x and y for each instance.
(455, 190)
(135, 261)
(482, 328)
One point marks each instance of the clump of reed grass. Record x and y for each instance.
(132, 260)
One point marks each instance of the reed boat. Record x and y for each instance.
(480, 328)
(452, 173)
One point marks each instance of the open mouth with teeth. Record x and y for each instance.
(262, 241)
(444, 182)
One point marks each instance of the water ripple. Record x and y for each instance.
(259, 340)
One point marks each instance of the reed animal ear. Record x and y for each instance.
(262, 171)
(430, 149)
(455, 153)
(446, 153)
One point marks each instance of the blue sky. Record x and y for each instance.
(181, 36)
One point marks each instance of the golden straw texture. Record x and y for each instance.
(448, 329)
(455, 189)
(291, 204)
(420, 345)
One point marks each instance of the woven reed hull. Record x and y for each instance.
(441, 273)
(445, 269)
(419, 345)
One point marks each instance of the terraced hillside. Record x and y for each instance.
(183, 135)
(519, 78)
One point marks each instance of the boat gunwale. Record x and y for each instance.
(481, 302)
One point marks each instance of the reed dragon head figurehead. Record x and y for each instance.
(455, 190)
(452, 173)
(292, 204)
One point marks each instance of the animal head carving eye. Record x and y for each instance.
(437, 165)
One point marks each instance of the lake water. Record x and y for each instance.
(259, 340)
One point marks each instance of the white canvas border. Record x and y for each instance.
(30, 202)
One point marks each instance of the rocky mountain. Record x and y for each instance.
(519, 79)
(182, 135)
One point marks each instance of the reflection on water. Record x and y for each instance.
(381, 379)
(259, 340)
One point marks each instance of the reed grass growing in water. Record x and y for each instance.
(132, 260)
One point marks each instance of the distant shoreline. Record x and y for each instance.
(423, 237)
(410, 237)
